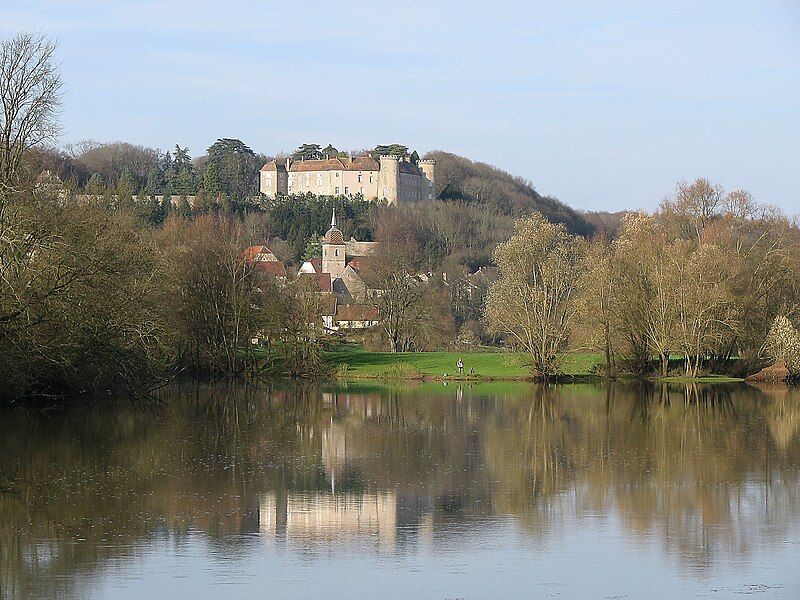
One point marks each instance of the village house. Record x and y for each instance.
(343, 276)
(391, 178)
(265, 262)
(345, 271)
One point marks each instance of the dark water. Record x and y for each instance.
(488, 491)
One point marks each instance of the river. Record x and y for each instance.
(495, 490)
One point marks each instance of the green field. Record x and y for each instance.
(352, 361)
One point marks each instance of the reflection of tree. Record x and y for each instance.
(122, 473)
(678, 462)
(705, 470)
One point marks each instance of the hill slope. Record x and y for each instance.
(459, 178)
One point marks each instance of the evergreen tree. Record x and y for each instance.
(330, 152)
(184, 209)
(203, 203)
(149, 210)
(95, 186)
(212, 178)
(166, 207)
(309, 152)
(126, 188)
(154, 182)
(313, 249)
(187, 180)
(390, 150)
(232, 170)
(181, 157)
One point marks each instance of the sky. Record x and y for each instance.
(604, 105)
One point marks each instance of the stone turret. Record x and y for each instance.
(388, 178)
(428, 168)
(333, 250)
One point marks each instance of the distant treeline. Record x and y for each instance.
(229, 168)
(709, 281)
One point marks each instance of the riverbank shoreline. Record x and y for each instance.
(354, 363)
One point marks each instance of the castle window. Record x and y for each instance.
(359, 178)
(346, 190)
(336, 252)
(336, 190)
(370, 178)
(337, 173)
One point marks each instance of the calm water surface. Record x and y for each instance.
(484, 491)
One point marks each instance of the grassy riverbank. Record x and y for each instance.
(352, 361)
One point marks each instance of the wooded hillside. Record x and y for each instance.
(459, 178)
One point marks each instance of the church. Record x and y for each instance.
(345, 275)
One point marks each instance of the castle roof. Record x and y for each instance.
(359, 163)
(364, 163)
(274, 164)
(409, 167)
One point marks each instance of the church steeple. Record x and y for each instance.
(333, 250)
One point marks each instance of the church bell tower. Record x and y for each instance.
(333, 250)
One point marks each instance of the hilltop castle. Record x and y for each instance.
(391, 178)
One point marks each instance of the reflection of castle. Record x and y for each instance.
(323, 516)
(339, 513)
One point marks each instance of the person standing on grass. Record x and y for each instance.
(460, 365)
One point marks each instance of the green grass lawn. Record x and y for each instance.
(408, 365)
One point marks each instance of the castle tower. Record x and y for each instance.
(389, 178)
(428, 167)
(333, 250)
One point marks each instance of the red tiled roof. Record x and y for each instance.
(326, 164)
(356, 312)
(364, 163)
(275, 268)
(359, 163)
(323, 280)
(327, 304)
(333, 236)
(365, 267)
(274, 164)
(252, 251)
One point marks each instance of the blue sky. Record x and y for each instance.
(604, 105)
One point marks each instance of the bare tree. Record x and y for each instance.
(534, 301)
(212, 293)
(29, 94)
(693, 206)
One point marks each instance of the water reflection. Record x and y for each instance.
(707, 476)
